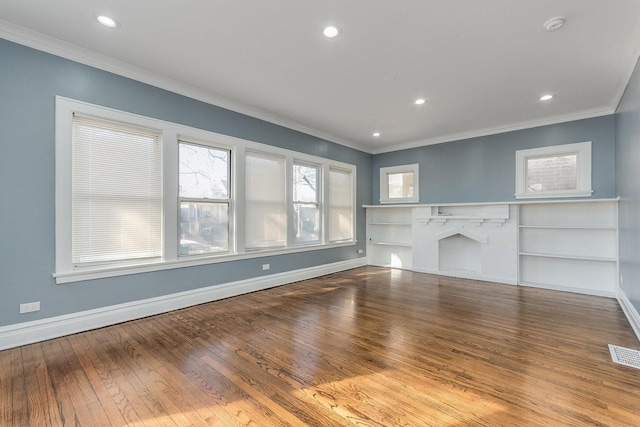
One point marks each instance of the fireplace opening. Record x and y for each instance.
(459, 253)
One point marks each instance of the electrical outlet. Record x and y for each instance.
(266, 266)
(621, 279)
(29, 307)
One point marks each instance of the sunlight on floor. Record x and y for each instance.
(371, 397)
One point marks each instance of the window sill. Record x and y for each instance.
(106, 272)
(397, 201)
(553, 194)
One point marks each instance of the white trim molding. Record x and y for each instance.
(39, 330)
(630, 312)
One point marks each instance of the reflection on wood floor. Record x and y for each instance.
(367, 347)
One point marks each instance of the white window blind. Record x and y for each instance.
(340, 205)
(265, 201)
(117, 192)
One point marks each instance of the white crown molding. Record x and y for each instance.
(41, 42)
(580, 115)
(39, 330)
(625, 77)
(630, 312)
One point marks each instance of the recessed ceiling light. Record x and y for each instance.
(376, 134)
(420, 101)
(331, 31)
(554, 24)
(107, 21)
(546, 97)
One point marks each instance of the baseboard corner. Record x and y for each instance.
(630, 312)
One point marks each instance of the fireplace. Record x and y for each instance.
(472, 242)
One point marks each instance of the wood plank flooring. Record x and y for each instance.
(365, 347)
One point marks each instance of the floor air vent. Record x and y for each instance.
(625, 356)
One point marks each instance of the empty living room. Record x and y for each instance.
(285, 213)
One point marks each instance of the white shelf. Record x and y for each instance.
(574, 257)
(389, 236)
(407, 245)
(565, 227)
(569, 246)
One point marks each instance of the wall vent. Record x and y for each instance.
(625, 356)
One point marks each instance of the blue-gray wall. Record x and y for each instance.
(628, 185)
(29, 82)
(473, 170)
(484, 169)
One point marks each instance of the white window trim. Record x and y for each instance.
(384, 183)
(583, 152)
(171, 134)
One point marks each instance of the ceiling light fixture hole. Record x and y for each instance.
(554, 24)
(107, 21)
(331, 31)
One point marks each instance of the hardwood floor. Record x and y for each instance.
(366, 347)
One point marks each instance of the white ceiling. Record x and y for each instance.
(481, 65)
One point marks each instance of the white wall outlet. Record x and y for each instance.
(266, 266)
(621, 279)
(360, 251)
(29, 307)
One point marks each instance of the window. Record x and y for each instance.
(306, 205)
(340, 205)
(556, 171)
(135, 194)
(399, 184)
(116, 193)
(204, 179)
(265, 201)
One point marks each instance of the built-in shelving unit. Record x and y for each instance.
(570, 246)
(389, 241)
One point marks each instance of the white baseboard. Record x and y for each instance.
(629, 310)
(466, 275)
(44, 329)
(584, 291)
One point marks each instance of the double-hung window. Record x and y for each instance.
(204, 199)
(306, 203)
(116, 193)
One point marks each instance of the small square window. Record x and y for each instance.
(556, 171)
(399, 184)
